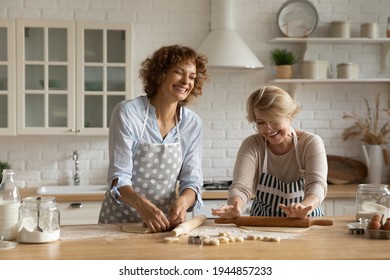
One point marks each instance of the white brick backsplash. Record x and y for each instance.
(48, 159)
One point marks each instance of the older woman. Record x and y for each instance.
(155, 141)
(285, 170)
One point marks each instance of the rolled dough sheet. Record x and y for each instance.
(135, 228)
(276, 229)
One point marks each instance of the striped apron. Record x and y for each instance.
(271, 191)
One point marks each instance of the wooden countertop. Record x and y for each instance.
(97, 242)
(334, 191)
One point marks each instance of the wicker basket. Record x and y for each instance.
(284, 71)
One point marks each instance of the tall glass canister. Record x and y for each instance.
(9, 206)
(372, 199)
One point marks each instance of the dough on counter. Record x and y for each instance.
(223, 239)
(254, 237)
(171, 239)
(211, 241)
(239, 239)
(135, 228)
(231, 238)
(271, 239)
(274, 239)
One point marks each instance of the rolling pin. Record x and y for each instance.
(274, 221)
(187, 226)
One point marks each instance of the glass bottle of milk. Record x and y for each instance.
(9, 206)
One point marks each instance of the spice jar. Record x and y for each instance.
(372, 199)
(39, 220)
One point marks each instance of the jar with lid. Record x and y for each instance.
(39, 220)
(372, 199)
(9, 206)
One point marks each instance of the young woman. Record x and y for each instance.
(283, 169)
(155, 141)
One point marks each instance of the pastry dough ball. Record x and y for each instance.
(239, 239)
(253, 237)
(231, 238)
(171, 239)
(223, 239)
(211, 241)
(274, 239)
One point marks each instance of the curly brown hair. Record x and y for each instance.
(154, 68)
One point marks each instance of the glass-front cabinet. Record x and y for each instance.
(103, 73)
(46, 80)
(72, 75)
(7, 78)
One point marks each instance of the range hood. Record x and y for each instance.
(222, 45)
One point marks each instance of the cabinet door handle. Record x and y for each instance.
(76, 205)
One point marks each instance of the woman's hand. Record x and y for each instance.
(296, 210)
(178, 210)
(177, 213)
(153, 217)
(227, 211)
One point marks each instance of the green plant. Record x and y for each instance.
(3, 165)
(282, 57)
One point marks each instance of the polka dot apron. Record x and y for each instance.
(155, 171)
(271, 191)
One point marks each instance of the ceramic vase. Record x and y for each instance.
(373, 157)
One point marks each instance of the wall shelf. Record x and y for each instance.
(305, 81)
(329, 40)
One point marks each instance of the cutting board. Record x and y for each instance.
(274, 221)
(343, 170)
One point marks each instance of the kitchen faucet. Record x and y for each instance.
(76, 177)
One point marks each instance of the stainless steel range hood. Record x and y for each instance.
(222, 45)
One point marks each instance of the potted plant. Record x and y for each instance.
(283, 59)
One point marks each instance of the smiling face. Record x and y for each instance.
(276, 132)
(178, 82)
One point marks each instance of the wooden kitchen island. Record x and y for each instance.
(108, 242)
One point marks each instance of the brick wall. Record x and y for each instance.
(48, 159)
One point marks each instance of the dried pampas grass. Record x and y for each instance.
(367, 129)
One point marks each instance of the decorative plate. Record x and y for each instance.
(297, 18)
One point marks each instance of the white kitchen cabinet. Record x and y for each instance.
(103, 71)
(79, 212)
(305, 42)
(64, 91)
(339, 206)
(344, 206)
(46, 87)
(7, 78)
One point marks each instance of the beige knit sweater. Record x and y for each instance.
(285, 167)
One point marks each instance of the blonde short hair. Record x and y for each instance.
(273, 102)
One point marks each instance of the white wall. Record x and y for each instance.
(48, 160)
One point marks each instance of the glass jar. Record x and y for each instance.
(39, 220)
(9, 206)
(372, 199)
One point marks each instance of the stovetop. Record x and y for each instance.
(218, 185)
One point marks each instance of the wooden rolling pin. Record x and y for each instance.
(274, 221)
(187, 226)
